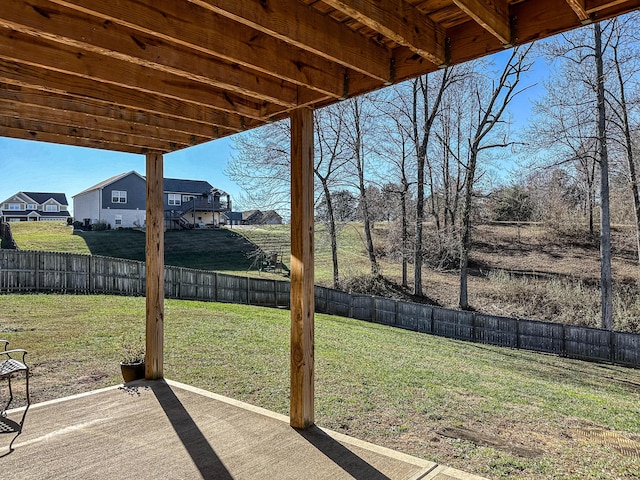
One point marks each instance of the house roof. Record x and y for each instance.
(234, 215)
(170, 184)
(246, 215)
(270, 214)
(109, 181)
(151, 76)
(42, 197)
(187, 186)
(32, 213)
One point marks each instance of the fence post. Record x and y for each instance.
(431, 322)
(215, 286)
(275, 293)
(474, 337)
(395, 313)
(374, 316)
(612, 346)
(90, 281)
(37, 279)
(350, 306)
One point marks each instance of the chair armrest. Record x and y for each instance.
(15, 350)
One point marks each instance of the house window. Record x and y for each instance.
(118, 219)
(15, 206)
(174, 199)
(187, 198)
(32, 206)
(118, 196)
(51, 208)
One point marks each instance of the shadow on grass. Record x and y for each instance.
(205, 249)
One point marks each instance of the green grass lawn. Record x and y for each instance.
(224, 250)
(397, 388)
(208, 249)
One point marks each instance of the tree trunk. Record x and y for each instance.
(405, 235)
(375, 269)
(417, 251)
(605, 221)
(332, 232)
(465, 241)
(633, 177)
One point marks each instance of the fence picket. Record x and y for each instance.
(34, 271)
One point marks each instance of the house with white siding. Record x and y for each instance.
(35, 207)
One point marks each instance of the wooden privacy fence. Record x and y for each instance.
(31, 271)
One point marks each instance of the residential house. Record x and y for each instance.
(254, 217)
(194, 203)
(35, 206)
(120, 202)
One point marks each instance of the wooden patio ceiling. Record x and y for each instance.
(155, 76)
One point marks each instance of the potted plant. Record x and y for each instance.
(132, 363)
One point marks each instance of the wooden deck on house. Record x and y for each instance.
(163, 429)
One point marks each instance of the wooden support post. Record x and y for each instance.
(154, 359)
(302, 292)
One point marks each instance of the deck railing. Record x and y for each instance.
(36, 271)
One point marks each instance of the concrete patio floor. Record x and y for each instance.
(168, 430)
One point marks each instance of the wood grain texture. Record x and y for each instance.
(294, 23)
(302, 288)
(188, 71)
(578, 6)
(492, 15)
(400, 23)
(155, 267)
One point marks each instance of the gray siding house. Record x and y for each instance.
(35, 206)
(120, 202)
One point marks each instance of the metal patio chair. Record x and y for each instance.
(10, 367)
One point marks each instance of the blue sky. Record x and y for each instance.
(44, 167)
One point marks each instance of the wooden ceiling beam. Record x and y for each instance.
(107, 110)
(592, 6)
(72, 119)
(56, 83)
(578, 6)
(399, 21)
(84, 33)
(41, 131)
(297, 24)
(469, 40)
(23, 48)
(189, 25)
(492, 15)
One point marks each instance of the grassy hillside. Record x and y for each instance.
(497, 412)
(526, 271)
(209, 249)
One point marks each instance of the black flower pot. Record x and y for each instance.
(132, 371)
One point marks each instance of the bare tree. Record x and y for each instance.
(261, 166)
(565, 130)
(397, 152)
(424, 108)
(490, 114)
(360, 114)
(623, 46)
(329, 161)
(583, 55)
(605, 216)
